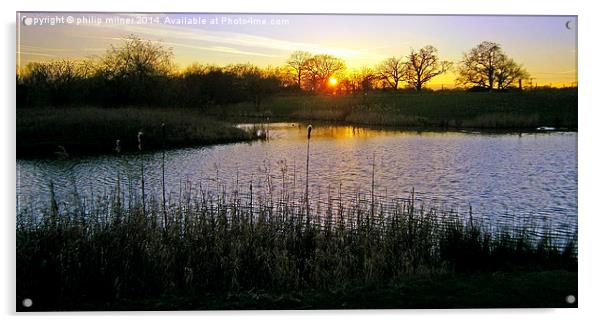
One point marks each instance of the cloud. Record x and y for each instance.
(220, 49)
(193, 37)
(35, 54)
(219, 41)
(572, 71)
(45, 49)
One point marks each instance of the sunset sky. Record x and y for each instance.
(545, 45)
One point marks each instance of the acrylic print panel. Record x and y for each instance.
(194, 161)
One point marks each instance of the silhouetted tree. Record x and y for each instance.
(487, 66)
(320, 68)
(359, 80)
(509, 73)
(252, 82)
(298, 62)
(135, 70)
(203, 85)
(390, 70)
(55, 83)
(422, 66)
(286, 81)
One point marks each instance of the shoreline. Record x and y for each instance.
(191, 128)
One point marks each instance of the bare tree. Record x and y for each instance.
(137, 71)
(298, 62)
(508, 73)
(478, 66)
(487, 66)
(422, 66)
(282, 73)
(362, 79)
(87, 67)
(137, 58)
(58, 81)
(321, 67)
(53, 71)
(390, 71)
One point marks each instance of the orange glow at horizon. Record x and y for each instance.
(360, 41)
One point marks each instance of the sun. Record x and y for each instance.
(332, 81)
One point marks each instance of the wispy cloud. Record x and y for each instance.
(264, 46)
(35, 54)
(44, 49)
(558, 72)
(40, 49)
(219, 49)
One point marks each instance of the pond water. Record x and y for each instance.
(504, 177)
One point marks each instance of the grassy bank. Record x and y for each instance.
(223, 252)
(40, 132)
(96, 130)
(441, 109)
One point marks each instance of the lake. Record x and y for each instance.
(505, 178)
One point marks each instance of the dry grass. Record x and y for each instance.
(111, 249)
(442, 109)
(96, 130)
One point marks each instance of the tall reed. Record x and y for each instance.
(163, 137)
(309, 128)
(140, 148)
(222, 245)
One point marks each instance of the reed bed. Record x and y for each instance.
(121, 246)
(450, 109)
(88, 130)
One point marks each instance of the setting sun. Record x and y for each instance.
(332, 81)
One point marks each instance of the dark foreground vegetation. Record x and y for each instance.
(453, 109)
(48, 132)
(222, 252)
(524, 289)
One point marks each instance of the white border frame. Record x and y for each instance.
(590, 118)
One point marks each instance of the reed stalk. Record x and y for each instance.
(140, 148)
(308, 217)
(163, 137)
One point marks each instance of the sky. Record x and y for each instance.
(545, 45)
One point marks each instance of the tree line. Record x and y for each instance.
(143, 72)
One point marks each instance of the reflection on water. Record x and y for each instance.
(508, 177)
